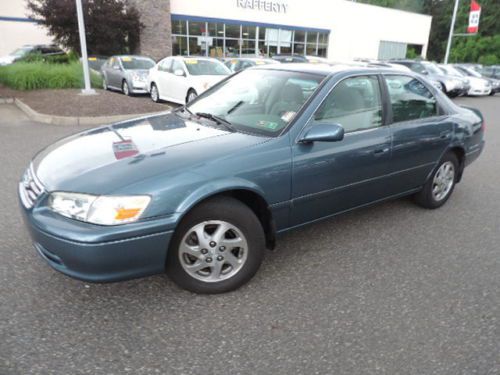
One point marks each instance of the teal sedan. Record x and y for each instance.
(200, 192)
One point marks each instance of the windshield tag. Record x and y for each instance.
(287, 116)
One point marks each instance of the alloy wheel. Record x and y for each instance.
(443, 181)
(213, 251)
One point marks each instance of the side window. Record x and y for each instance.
(410, 99)
(177, 65)
(115, 63)
(165, 65)
(355, 104)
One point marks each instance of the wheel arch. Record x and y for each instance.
(249, 195)
(460, 154)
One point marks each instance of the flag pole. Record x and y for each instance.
(452, 28)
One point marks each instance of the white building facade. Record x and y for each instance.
(16, 29)
(336, 29)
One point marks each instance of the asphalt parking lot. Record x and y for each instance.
(391, 289)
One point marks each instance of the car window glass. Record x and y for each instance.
(198, 67)
(355, 104)
(165, 65)
(115, 63)
(418, 68)
(137, 63)
(410, 99)
(176, 65)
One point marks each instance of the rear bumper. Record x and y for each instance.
(126, 257)
(474, 153)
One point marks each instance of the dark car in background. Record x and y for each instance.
(201, 191)
(490, 71)
(242, 63)
(451, 85)
(43, 50)
(128, 74)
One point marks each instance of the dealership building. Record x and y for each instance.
(336, 29)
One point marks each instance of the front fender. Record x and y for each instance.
(216, 187)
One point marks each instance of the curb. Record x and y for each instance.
(68, 120)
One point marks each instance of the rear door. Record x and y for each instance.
(330, 177)
(421, 131)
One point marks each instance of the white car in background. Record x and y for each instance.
(181, 79)
(478, 86)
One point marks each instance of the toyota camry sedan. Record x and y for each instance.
(202, 191)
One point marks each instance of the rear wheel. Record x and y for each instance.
(217, 248)
(440, 186)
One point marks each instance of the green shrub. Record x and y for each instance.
(41, 75)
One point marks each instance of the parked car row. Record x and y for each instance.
(181, 79)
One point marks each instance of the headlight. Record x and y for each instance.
(103, 210)
(138, 77)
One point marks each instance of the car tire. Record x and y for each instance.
(441, 183)
(230, 253)
(126, 88)
(191, 95)
(154, 93)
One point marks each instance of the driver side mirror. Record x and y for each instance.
(179, 73)
(323, 132)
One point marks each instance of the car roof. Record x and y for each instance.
(330, 69)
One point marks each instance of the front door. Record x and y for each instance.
(330, 177)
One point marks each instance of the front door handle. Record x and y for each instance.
(445, 135)
(381, 151)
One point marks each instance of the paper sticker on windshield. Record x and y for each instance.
(191, 61)
(92, 59)
(127, 59)
(288, 116)
(268, 124)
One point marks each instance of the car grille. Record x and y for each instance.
(30, 188)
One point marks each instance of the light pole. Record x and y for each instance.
(83, 45)
(452, 28)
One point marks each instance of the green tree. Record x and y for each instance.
(111, 26)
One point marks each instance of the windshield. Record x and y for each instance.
(200, 67)
(451, 71)
(472, 72)
(260, 101)
(433, 69)
(20, 52)
(137, 63)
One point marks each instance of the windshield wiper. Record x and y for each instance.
(217, 119)
(235, 107)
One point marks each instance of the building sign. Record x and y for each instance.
(475, 14)
(263, 5)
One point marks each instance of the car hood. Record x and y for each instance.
(5, 60)
(105, 159)
(204, 82)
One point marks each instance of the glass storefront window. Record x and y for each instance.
(323, 38)
(232, 31)
(196, 28)
(248, 47)
(216, 29)
(248, 32)
(312, 37)
(217, 39)
(179, 45)
(300, 36)
(311, 49)
(232, 47)
(195, 47)
(217, 48)
(298, 48)
(179, 27)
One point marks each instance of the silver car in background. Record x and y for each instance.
(128, 74)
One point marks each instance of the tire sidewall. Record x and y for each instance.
(428, 198)
(127, 91)
(154, 87)
(231, 211)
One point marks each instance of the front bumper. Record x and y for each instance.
(139, 87)
(479, 91)
(99, 254)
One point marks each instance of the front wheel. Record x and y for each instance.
(125, 88)
(192, 95)
(440, 186)
(154, 93)
(217, 248)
